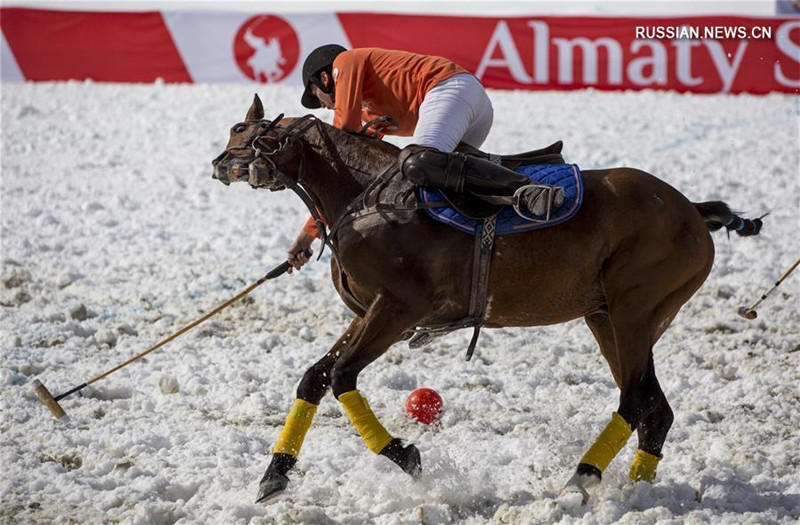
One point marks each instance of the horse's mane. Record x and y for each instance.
(355, 149)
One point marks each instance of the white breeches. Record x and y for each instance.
(455, 110)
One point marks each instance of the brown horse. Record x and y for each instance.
(626, 262)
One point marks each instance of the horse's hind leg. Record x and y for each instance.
(654, 428)
(611, 440)
(313, 387)
(627, 346)
(652, 431)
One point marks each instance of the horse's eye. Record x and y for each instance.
(263, 125)
(239, 128)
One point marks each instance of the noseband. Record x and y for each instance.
(268, 148)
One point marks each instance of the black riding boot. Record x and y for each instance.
(459, 172)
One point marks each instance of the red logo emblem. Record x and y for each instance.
(266, 48)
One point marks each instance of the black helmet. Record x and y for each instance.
(316, 61)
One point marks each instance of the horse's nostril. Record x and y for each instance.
(218, 159)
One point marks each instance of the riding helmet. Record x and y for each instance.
(317, 60)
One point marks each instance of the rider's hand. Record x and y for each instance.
(299, 252)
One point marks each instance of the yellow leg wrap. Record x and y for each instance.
(643, 467)
(294, 431)
(608, 443)
(363, 418)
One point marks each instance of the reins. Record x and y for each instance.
(360, 207)
(357, 208)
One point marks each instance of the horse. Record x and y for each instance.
(635, 252)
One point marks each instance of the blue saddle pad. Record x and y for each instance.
(568, 176)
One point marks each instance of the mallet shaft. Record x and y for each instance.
(777, 283)
(52, 402)
(750, 313)
(790, 270)
(177, 334)
(70, 392)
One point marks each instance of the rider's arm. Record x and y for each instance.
(348, 75)
(297, 256)
(310, 227)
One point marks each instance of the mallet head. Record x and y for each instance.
(747, 313)
(49, 401)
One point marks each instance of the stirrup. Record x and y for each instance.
(547, 199)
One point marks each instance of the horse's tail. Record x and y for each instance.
(717, 214)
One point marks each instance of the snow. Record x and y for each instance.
(114, 236)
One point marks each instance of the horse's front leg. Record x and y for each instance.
(313, 387)
(385, 322)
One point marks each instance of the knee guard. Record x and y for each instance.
(433, 168)
(455, 171)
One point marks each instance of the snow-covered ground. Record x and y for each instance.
(114, 235)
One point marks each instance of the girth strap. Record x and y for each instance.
(482, 256)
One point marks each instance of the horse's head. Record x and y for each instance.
(259, 151)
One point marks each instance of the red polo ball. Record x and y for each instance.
(424, 405)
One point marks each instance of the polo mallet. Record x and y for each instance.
(750, 313)
(51, 402)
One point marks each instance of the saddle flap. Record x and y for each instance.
(470, 206)
(509, 221)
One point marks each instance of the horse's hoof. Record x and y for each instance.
(421, 339)
(407, 458)
(413, 462)
(578, 483)
(271, 486)
(572, 490)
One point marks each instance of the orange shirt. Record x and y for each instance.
(372, 82)
(310, 227)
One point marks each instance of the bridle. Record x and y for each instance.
(263, 127)
(268, 147)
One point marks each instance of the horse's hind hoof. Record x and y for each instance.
(407, 458)
(271, 486)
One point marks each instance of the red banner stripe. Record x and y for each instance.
(737, 55)
(109, 47)
(728, 53)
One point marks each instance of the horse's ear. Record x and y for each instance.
(256, 111)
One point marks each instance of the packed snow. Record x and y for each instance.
(114, 236)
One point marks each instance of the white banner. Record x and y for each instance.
(9, 69)
(241, 47)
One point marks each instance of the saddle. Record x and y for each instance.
(548, 155)
(472, 206)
